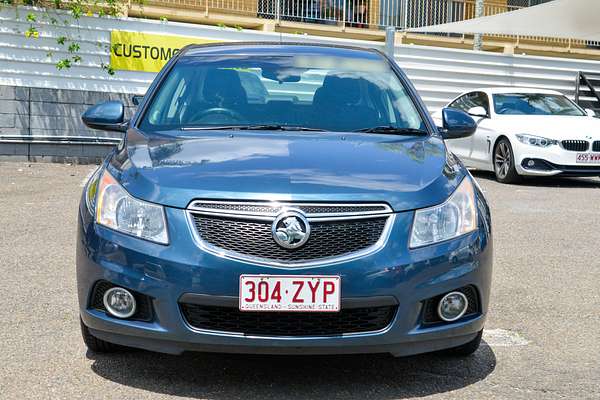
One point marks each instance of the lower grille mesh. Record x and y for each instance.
(254, 238)
(229, 319)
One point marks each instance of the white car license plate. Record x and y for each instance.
(588, 158)
(300, 293)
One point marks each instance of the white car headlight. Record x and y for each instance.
(118, 210)
(456, 217)
(536, 140)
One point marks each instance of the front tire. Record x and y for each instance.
(97, 345)
(504, 163)
(466, 349)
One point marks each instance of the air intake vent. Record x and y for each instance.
(230, 319)
(576, 145)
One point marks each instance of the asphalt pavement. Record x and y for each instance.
(542, 338)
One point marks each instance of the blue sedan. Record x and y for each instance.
(282, 199)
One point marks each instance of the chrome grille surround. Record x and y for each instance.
(264, 213)
(274, 208)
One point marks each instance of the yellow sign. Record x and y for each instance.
(134, 51)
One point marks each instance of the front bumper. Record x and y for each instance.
(166, 273)
(551, 161)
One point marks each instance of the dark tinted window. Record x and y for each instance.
(330, 93)
(534, 104)
(470, 100)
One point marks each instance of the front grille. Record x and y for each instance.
(576, 145)
(230, 319)
(596, 146)
(252, 238)
(275, 208)
(144, 305)
(430, 315)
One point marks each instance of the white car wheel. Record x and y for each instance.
(504, 162)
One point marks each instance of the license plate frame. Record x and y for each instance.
(587, 158)
(321, 299)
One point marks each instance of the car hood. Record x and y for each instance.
(405, 172)
(559, 127)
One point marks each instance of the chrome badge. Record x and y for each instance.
(290, 229)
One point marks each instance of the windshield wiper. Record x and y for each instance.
(264, 127)
(392, 130)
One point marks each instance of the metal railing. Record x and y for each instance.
(587, 90)
(405, 14)
(359, 13)
(377, 14)
(354, 13)
(238, 7)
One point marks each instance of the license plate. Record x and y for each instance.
(585, 158)
(298, 293)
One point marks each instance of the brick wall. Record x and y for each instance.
(39, 122)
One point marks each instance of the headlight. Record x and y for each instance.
(456, 217)
(116, 209)
(90, 191)
(536, 140)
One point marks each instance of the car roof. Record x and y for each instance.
(514, 89)
(277, 48)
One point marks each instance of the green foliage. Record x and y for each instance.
(76, 10)
(239, 28)
(63, 64)
(106, 67)
(69, 40)
(32, 32)
(163, 19)
(74, 47)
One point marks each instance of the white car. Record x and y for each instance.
(527, 132)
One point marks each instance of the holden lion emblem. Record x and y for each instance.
(290, 229)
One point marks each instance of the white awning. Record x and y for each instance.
(570, 19)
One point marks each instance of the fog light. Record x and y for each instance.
(452, 306)
(119, 302)
(530, 163)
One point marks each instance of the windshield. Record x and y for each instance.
(534, 104)
(304, 91)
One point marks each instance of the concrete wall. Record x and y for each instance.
(40, 123)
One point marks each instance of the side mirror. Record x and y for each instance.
(590, 112)
(137, 99)
(457, 124)
(107, 116)
(478, 112)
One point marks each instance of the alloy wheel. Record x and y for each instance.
(502, 160)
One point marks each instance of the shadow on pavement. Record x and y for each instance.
(227, 376)
(556, 182)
